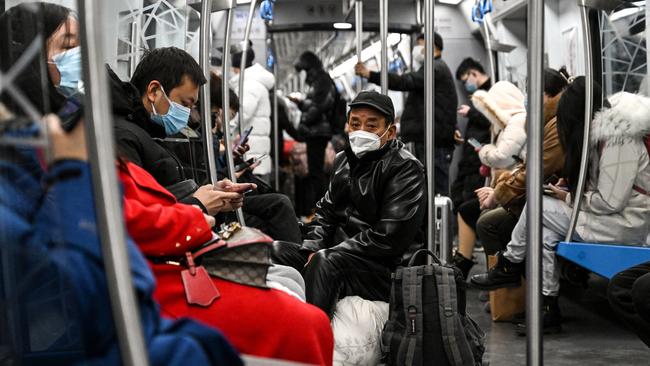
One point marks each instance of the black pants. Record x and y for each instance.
(310, 189)
(332, 275)
(629, 295)
(494, 228)
(442, 161)
(273, 214)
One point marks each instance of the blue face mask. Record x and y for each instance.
(470, 87)
(175, 119)
(69, 65)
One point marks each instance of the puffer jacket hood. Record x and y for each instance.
(500, 104)
(627, 118)
(503, 106)
(308, 61)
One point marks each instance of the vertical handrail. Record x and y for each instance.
(244, 59)
(101, 156)
(647, 54)
(589, 92)
(429, 97)
(534, 174)
(225, 69)
(205, 36)
(276, 129)
(358, 30)
(488, 47)
(383, 34)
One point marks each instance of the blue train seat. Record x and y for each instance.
(604, 259)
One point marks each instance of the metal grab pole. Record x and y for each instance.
(226, 102)
(358, 30)
(589, 92)
(383, 34)
(647, 41)
(276, 129)
(534, 174)
(108, 201)
(429, 97)
(242, 65)
(488, 47)
(204, 91)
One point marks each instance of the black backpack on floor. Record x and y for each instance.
(427, 323)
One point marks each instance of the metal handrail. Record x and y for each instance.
(358, 33)
(244, 59)
(534, 177)
(429, 97)
(383, 34)
(589, 91)
(204, 92)
(276, 128)
(101, 156)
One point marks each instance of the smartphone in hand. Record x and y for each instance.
(474, 142)
(244, 137)
(70, 114)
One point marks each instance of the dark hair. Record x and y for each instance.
(216, 94)
(570, 126)
(236, 58)
(466, 65)
(308, 61)
(19, 27)
(168, 65)
(437, 41)
(555, 81)
(420, 37)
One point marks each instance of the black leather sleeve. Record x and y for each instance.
(401, 215)
(323, 228)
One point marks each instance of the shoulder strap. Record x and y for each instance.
(412, 296)
(448, 307)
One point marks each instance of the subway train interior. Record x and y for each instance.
(404, 182)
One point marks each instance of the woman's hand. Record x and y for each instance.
(486, 197)
(66, 146)
(559, 190)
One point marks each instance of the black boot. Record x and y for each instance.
(503, 274)
(462, 263)
(551, 317)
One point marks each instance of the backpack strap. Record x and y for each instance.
(412, 296)
(448, 308)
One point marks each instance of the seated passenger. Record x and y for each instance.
(503, 106)
(155, 104)
(496, 223)
(370, 217)
(48, 229)
(615, 207)
(260, 322)
(629, 295)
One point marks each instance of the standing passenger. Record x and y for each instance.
(412, 121)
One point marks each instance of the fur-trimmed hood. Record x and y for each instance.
(500, 104)
(628, 117)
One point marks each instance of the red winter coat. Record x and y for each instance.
(265, 323)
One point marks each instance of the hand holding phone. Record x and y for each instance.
(475, 144)
(244, 137)
(70, 113)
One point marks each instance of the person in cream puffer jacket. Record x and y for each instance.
(504, 106)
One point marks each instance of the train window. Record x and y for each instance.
(623, 47)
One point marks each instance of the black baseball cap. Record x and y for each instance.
(375, 100)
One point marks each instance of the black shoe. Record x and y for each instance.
(504, 274)
(551, 318)
(462, 263)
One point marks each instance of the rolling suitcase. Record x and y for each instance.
(444, 230)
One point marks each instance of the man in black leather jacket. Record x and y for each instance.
(370, 217)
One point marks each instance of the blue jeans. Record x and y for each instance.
(442, 160)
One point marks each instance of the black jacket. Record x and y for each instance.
(446, 100)
(138, 139)
(378, 202)
(318, 105)
(469, 178)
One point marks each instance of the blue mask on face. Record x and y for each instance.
(470, 87)
(175, 119)
(69, 65)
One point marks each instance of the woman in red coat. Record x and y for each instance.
(260, 322)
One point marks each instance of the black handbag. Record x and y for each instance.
(184, 189)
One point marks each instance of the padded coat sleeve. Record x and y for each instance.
(411, 81)
(510, 142)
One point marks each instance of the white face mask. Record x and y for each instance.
(418, 56)
(362, 142)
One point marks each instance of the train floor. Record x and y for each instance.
(590, 335)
